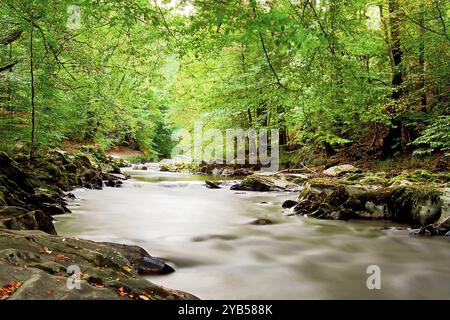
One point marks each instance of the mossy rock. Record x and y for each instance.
(105, 272)
(16, 218)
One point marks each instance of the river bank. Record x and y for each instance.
(35, 263)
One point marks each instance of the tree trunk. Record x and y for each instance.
(393, 141)
(33, 96)
(423, 94)
(329, 150)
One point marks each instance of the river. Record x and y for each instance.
(207, 236)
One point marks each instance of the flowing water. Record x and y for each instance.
(207, 236)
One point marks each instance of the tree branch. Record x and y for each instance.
(263, 45)
(11, 38)
(8, 67)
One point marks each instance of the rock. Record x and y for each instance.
(418, 207)
(54, 209)
(212, 185)
(254, 183)
(341, 170)
(69, 196)
(374, 211)
(141, 260)
(261, 222)
(336, 199)
(118, 176)
(105, 272)
(112, 183)
(331, 163)
(91, 179)
(2, 199)
(16, 218)
(265, 182)
(242, 172)
(289, 204)
(14, 177)
(227, 172)
(444, 219)
(142, 167)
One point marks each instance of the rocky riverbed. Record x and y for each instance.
(417, 198)
(35, 263)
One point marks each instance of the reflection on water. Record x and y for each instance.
(206, 234)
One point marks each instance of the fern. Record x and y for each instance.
(435, 137)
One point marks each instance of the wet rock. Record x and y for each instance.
(264, 182)
(289, 204)
(69, 196)
(40, 261)
(54, 209)
(415, 206)
(91, 179)
(16, 218)
(341, 170)
(336, 199)
(212, 185)
(261, 222)
(141, 167)
(112, 183)
(118, 176)
(141, 260)
(242, 172)
(254, 183)
(429, 230)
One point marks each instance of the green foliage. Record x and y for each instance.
(134, 71)
(436, 137)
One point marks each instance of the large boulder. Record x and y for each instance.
(37, 265)
(418, 207)
(415, 206)
(141, 260)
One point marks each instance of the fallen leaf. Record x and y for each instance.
(61, 256)
(127, 269)
(47, 250)
(50, 292)
(9, 289)
(142, 297)
(121, 292)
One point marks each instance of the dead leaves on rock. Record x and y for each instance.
(47, 250)
(126, 292)
(62, 257)
(9, 289)
(122, 292)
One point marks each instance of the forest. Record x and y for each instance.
(368, 77)
(99, 94)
